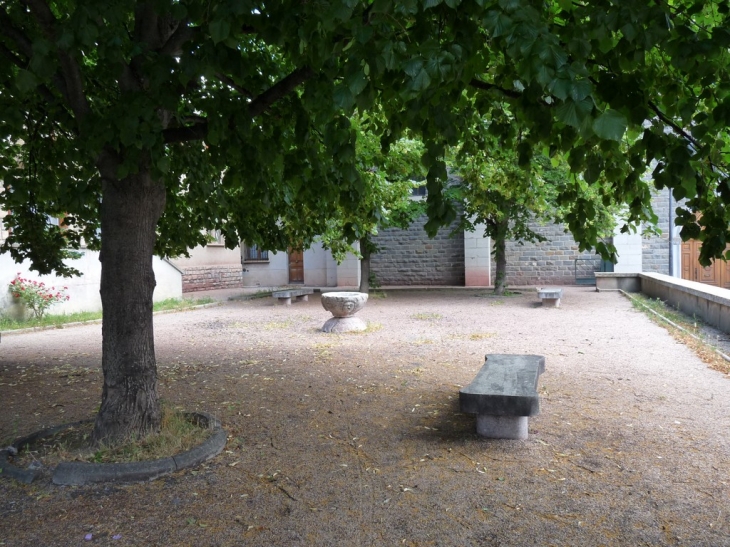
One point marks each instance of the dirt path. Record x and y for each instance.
(357, 439)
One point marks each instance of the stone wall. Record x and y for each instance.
(409, 257)
(655, 249)
(206, 278)
(548, 263)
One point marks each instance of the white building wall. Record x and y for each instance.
(315, 266)
(273, 273)
(331, 265)
(477, 258)
(348, 272)
(629, 249)
(213, 254)
(84, 290)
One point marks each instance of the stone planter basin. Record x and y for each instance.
(344, 304)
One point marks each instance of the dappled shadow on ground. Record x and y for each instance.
(357, 439)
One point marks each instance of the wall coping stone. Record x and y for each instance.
(708, 292)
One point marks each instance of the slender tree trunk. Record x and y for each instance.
(500, 257)
(130, 210)
(364, 266)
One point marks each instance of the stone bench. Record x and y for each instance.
(550, 296)
(503, 395)
(286, 296)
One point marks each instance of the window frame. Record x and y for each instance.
(252, 254)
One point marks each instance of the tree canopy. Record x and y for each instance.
(145, 122)
(505, 200)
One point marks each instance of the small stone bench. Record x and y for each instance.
(503, 395)
(550, 297)
(286, 296)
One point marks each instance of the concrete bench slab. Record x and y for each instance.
(550, 296)
(504, 394)
(284, 297)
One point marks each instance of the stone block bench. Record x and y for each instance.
(503, 395)
(550, 297)
(286, 296)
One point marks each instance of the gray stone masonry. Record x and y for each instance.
(548, 263)
(409, 257)
(655, 249)
(206, 278)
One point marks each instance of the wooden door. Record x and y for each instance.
(689, 260)
(296, 266)
(718, 274)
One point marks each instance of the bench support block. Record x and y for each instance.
(502, 427)
(550, 297)
(503, 395)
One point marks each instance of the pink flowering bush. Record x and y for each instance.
(36, 296)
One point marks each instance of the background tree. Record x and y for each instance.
(508, 199)
(153, 120)
(386, 200)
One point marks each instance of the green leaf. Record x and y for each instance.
(580, 90)
(566, 5)
(497, 23)
(560, 87)
(510, 5)
(422, 80)
(413, 67)
(343, 98)
(219, 30)
(610, 125)
(163, 164)
(357, 82)
(178, 11)
(428, 4)
(26, 81)
(572, 113)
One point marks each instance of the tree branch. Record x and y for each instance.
(174, 43)
(479, 84)
(279, 90)
(24, 44)
(70, 71)
(229, 82)
(186, 133)
(12, 57)
(663, 117)
(255, 108)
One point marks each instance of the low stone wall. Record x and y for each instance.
(711, 304)
(206, 278)
(613, 281)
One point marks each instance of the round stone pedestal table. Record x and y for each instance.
(343, 306)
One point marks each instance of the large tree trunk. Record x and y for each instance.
(130, 210)
(500, 257)
(364, 266)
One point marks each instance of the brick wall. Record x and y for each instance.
(206, 278)
(549, 263)
(409, 257)
(655, 249)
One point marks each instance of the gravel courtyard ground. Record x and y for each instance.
(357, 439)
